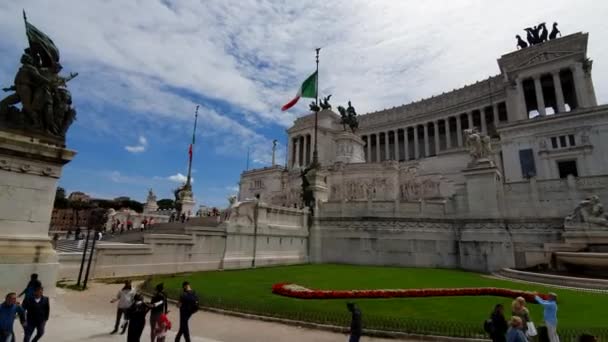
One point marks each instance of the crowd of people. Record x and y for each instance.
(132, 311)
(33, 312)
(521, 328)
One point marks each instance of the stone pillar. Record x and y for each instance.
(378, 147)
(296, 162)
(482, 118)
(416, 143)
(579, 84)
(470, 119)
(426, 139)
(369, 148)
(436, 131)
(397, 145)
(459, 130)
(406, 145)
(305, 149)
(448, 136)
(559, 93)
(495, 112)
(387, 154)
(484, 189)
(29, 171)
(520, 112)
(540, 100)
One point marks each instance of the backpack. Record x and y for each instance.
(163, 318)
(196, 304)
(488, 326)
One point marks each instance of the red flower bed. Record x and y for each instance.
(297, 291)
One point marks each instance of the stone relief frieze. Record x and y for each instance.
(29, 168)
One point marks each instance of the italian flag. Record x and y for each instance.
(308, 89)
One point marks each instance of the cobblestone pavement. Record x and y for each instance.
(89, 316)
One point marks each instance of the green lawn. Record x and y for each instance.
(250, 291)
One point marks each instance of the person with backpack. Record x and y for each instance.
(137, 318)
(188, 305)
(159, 307)
(496, 326)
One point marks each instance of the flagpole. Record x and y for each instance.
(188, 180)
(315, 153)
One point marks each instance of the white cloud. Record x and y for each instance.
(233, 189)
(179, 178)
(141, 147)
(252, 55)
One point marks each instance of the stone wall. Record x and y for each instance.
(277, 236)
(478, 245)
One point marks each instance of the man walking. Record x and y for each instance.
(355, 324)
(37, 314)
(8, 311)
(188, 305)
(31, 286)
(125, 299)
(550, 315)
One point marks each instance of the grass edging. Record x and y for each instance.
(328, 327)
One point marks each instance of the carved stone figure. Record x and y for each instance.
(314, 107)
(232, 201)
(479, 145)
(588, 211)
(530, 36)
(542, 37)
(554, 32)
(325, 102)
(520, 42)
(46, 103)
(348, 117)
(308, 197)
(151, 196)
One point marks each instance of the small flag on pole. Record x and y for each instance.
(190, 152)
(308, 89)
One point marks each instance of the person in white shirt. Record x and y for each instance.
(125, 300)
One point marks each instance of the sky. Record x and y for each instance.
(144, 66)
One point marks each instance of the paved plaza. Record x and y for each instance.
(89, 316)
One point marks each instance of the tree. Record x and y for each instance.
(60, 201)
(166, 204)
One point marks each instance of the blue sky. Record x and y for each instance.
(145, 65)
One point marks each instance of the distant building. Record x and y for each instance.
(78, 196)
(65, 219)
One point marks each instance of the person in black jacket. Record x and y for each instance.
(355, 324)
(499, 324)
(31, 286)
(159, 307)
(37, 310)
(137, 318)
(188, 305)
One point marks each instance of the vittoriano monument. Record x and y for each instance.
(34, 119)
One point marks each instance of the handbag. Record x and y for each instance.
(531, 330)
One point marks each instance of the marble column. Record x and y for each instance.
(369, 148)
(495, 112)
(459, 130)
(470, 119)
(579, 84)
(540, 100)
(559, 93)
(436, 133)
(305, 148)
(416, 143)
(397, 145)
(482, 118)
(387, 154)
(426, 139)
(406, 145)
(448, 136)
(377, 147)
(296, 161)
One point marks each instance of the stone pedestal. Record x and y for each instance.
(187, 205)
(29, 170)
(349, 148)
(483, 185)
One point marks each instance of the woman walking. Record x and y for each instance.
(159, 307)
(519, 309)
(499, 324)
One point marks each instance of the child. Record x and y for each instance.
(162, 325)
